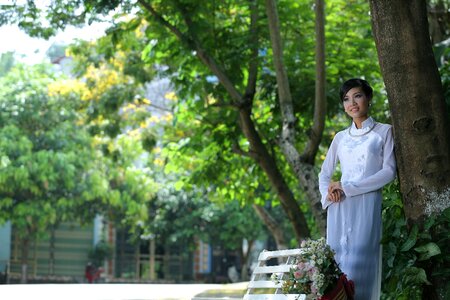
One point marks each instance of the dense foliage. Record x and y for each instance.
(410, 252)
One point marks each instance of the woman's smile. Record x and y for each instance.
(356, 105)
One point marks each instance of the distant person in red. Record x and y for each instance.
(92, 273)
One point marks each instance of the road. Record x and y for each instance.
(107, 291)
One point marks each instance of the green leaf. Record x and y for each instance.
(429, 223)
(428, 250)
(446, 214)
(416, 275)
(179, 185)
(412, 239)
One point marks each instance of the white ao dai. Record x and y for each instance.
(367, 163)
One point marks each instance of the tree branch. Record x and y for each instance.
(287, 140)
(284, 94)
(254, 43)
(220, 105)
(193, 43)
(160, 108)
(315, 137)
(238, 150)
(160, 19)
(272, 225)
(304, 171)
(276, 178)
(209, 61)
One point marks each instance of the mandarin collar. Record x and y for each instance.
(368, 123)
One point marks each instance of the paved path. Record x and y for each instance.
(106, 291)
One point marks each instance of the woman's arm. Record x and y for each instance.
(326, 172)
(380, 178)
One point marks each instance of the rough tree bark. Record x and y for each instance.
(417, 105)
(416, 98)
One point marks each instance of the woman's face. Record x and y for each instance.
(356, 103)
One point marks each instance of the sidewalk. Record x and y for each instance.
(231, 291)
(121, 291)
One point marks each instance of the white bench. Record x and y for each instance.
(261, 278)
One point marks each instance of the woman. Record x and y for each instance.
(365, 152)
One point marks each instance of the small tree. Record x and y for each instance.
(48, 162)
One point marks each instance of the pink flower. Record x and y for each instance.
(297, 274)
(313, 271)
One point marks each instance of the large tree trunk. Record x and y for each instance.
(416, 98)
(417, 104)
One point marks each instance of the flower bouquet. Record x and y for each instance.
(316, 274)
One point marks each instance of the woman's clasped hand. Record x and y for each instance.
(335, 192)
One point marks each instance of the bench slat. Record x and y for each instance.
(266, 255)
(273, 269)
(275, 297)
(263, 284)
